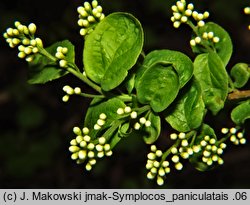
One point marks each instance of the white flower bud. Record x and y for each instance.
(147, 123)
(127, 109)
(201, 23)
(165, 164)
(102, 17)
(184, 143)
(210, 34)
(220, 161)
(177, 24)
(91, 154)
(77, 91)
(65, 98)
(63, 63)
(179, 166)
(216, 39)
(182, 135)
(151, 156)
(133, 115)
(35, 50)
(87, 6)
(184, 19)
(150, 175)
(74, 149)
(184, 155)
(120, 111)
(99, 9)
(192, 42)
(59, 55)
(29, 58)
(174, 150)
(73, 142)
(77, 131)
(94, 4)
(200, 17)
(39, 42)
(83, 32)
(175, 159)
(167, 170)
(173, 136)
(180, 6)
(86, 138)
(92, 162)
(103, 116)
(212, 141)
(209, 162)
(102, 140)
(188, 12)
(214, 148)
(215, 158)
(83, 144)
(100, 154)
(203, 143)
(107, 147)
(137, 126)
(97, 127)
(17, 23)
(233, 138)
(85, 130)
(160, 181)
(88, 167)
(206, 153)
(91, 19)
(82, 154)
(219, 151)
(205, 15)
(177, 15)
(197, 40)
(109, 153)
(205, 35)
(190, 6)
(100, 122)
(99, 148)
(195, 14)
(196, 148)
(74, 156)
(174, 8)
(79, 139)
(68, 90)
(223, 145)
(243, 141)
(158, 153)
(21, 54)
(142, 120)
(156, 164)
(32, 28)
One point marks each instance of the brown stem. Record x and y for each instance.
(239, 94)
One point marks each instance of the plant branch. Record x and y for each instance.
(236, 95)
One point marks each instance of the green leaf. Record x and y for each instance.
(179, 61)
(223, 48)
(153, 131)
(241, 113)
(188, 110)
(112, 49)
(240, 73)
(158, 86)
(212, 76)
(43, 70)
(98, 106)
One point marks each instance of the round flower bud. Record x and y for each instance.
(177, 15)
(86, 138)
(206, 153)
(179, 166)
(100, 154)
(77, 90)
(161, 172)
(107, 147)
(74, 149)
(32, 28)
(205, 15)
(99, 148)
(91, 154)
(215, 158)
(192, 42)
(87, 6)
(233, 138)
(147, 123)
(160, 181)
(195, 14)
(210, 34)
(201, 23)
(243, 141)
(184, 155)
(203, 143)
(109, 153)
(165, 164)
(174, 8)
(85, 130)
(82, 154)
(102, 140)
(142, 120)
(173, 136)
(94, 4)
(212, 141)
(177, 24)
(151, 156)
(103, 116)
(153, 148)
(83, 144)
(127, 109)
(175, 158)
(137, 126)
(200, 16)
(99, 9)
(88, 167)
(220, 161)
(74, 156)
(190, 6)
(153, 170)
(77, 131)
(17, 23)
(79, 138)
(73, 142)
(39, 42)
(180, 6)
(100, 122)
(184, 143)
(184, 19)
(150, 175)
(196, 148)
(29, 58)
(27, 50)
(91, 19)
(92, 162)
(219, 151)
(172, 19)
(188, 12)
(21, 55)
(158, 153)
(26, 42)
(182, 135)
(240, 135)
(216, 39)
(83, 32)
(97, 127)
(167, 170)
(156, 164)
(133, 115)
(65, 98)
(102, 17)
(63, 63)
(223, 145)
(209, 162)
(35, 50)
(197, 40)
(174, 150)
(120, 111)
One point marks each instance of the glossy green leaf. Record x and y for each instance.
(43, 70)
(98, 106)
(188, 110)
(241, 113)
(153, 131)
(112, 49)
(158, 86)
(240, 73)
(212, 76)
(179, 61)
(223, 48)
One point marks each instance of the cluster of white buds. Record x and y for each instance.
(89, 15)
(23, 37)
(60, 55)
(70, 91)
(100, 122)
(156, 166)
(134, 115)
(205, 36)
(211, 150)
(247, 11)
(182, 12)
(85, 150)
(236, 136)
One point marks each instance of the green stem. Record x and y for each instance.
(87, 95)
(73, 69)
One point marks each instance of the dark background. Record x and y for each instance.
(36, 126)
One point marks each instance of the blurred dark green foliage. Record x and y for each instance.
(36, 126)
